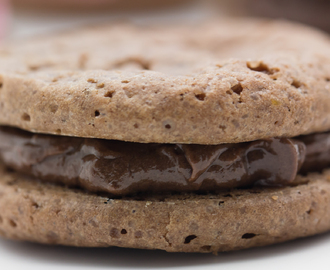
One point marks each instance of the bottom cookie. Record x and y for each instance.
(50, 214)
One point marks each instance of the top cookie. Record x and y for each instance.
(218, 82)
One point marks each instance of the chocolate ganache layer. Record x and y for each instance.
(123, 168)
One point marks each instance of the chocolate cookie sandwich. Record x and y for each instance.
(193, 138)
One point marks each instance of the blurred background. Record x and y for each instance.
(21, 18)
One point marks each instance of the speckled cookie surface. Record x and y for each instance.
(34, 211)
(217, 82)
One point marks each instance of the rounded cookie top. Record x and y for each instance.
(217, 82)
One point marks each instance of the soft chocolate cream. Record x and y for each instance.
(126, 168)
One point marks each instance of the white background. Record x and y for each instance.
(309, 253)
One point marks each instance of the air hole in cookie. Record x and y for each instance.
(309, 211)
(205, 248)
(276, 123)
(296, 84)
(100, 85)
(91, 80)
(229, 92)
(136, 125)
(326, 79)
(123, 231)
(189, 238)
(12, 223)
(221, 202)
(35, 205)
(97, 113)
(125, 81)
(237, 89)
(168, 126)
(133, 61)
(248, 235)
(228, 195)
(200, 97)
(261, 67)
(26, 117)
(58, 131)
(109, 94)
(53, 108)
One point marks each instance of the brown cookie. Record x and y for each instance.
(218, 82)
(50, 214)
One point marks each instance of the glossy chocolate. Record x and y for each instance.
(126, 168)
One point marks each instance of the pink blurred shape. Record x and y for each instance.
(4, 14)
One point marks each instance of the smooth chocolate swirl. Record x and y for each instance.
(126, 168)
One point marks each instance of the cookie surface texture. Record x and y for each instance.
(50, 214)
(216, 82)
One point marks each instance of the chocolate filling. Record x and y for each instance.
(123, 168)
